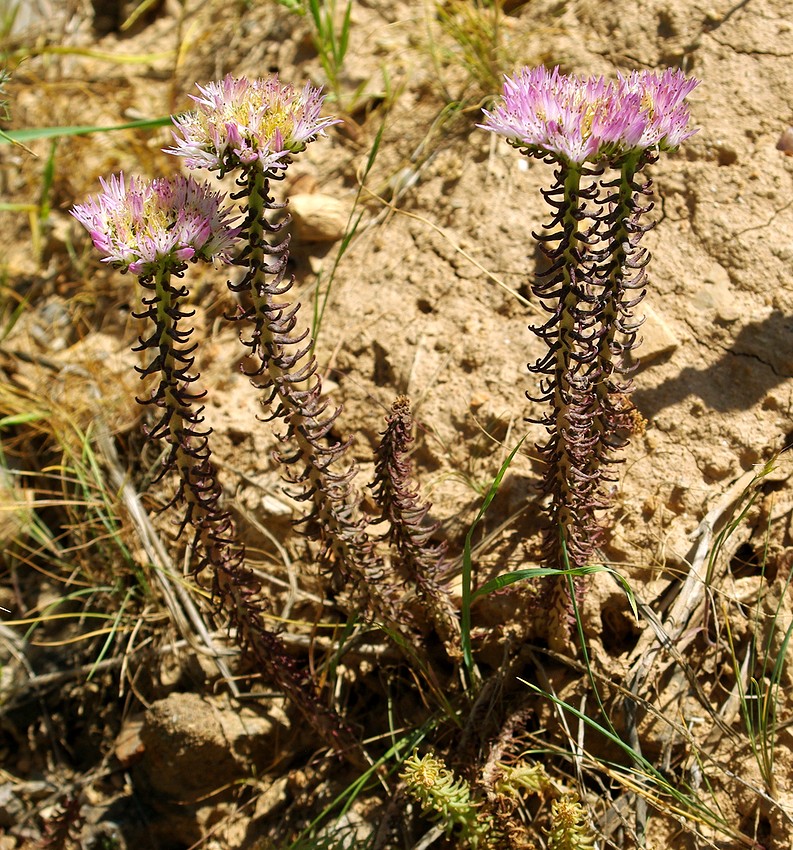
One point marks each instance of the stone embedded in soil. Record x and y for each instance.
(195, 745)
(128, 746)
(657, 337)
(318, 218)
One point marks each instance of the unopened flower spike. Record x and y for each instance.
(418, 559)
(596, 276)
(153, 229)
(255, 128)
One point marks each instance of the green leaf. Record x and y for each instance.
(506, 579)
(465, 613)
(20, 419)
(33, 133)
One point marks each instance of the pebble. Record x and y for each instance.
(785, 143)
(657, 337)
(318, 218)
(275, 507)
(128, 746)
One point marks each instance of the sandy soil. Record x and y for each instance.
(420, 304)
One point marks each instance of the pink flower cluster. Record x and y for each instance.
(577, 120)
(144, 226)
(239, 121)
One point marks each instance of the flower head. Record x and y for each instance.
(143, 226)
(238, 122)
(573, 119)
(586, 119)
(665, 115)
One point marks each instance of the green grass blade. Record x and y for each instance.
(47, 181)
(21, 419)
(465, 613)
(346, 798)
(642, 770)
(506, 579)
(32, 133)
(344, 39)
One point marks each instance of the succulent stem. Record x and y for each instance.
(285, 368)
(235, 587)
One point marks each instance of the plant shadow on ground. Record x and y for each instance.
(731, 383)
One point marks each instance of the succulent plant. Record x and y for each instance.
(595, 279)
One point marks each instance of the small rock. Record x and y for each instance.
(274, 507)
(11, 808)
(727, 313)
(271, 798)
(785, 143)
(318, 218)
(718, 463)
(716, 296)
(129, 746)
(657, 337)
(195, 745)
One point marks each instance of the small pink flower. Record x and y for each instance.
(238, 122)
(580, 119)
(148, 225)
(548, 113)
(665, 115)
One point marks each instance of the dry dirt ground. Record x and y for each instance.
(420, 304)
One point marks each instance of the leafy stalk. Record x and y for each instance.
(284, 367)
(570, 291)
(420, 560)
(235, 587)
(624, 276)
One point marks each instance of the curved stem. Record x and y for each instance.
(284, 366)
(235, 587)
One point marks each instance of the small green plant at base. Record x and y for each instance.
(446, 799)
(521, 777)
(569, 829)
(484, 822)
